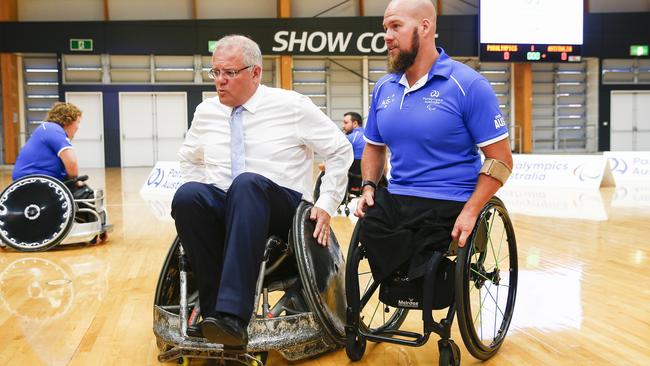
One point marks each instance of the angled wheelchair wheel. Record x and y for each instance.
(366, 311)
(319, 181)
(36, 213)
(486, 281)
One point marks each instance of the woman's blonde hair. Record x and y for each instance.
(63, 113)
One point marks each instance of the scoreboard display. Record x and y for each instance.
(531, 30)
(492, 52)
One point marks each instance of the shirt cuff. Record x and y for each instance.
(328, 204)
(373, 142)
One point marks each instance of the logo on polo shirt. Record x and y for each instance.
(386, 102)
(499, 121)
(433, 100)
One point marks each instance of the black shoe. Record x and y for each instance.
(195, 331)
(227, 330)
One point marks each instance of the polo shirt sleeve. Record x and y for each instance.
(483, 117)
(371, 132)
(57, 141)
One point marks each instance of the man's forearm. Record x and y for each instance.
(372, 162)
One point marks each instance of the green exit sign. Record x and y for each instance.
(211, 46)
(639, 50)
(81, 45)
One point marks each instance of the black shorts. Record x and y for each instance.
(403, 232)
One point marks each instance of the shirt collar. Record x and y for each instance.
(253, 102)
(442, 67)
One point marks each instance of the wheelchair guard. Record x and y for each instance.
(307, 320)
(479, 280)
(38, 212)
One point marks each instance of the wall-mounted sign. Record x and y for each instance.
(639, 50)
(81, 45)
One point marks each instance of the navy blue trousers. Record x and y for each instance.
(224, 235)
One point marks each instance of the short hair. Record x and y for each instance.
(63, 113)
(250, 50)
(354, 116)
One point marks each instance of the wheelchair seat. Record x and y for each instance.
(38, 212)
(300, 300)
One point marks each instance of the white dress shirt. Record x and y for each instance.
(282, 130)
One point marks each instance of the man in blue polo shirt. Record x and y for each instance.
(353, 128)
(434, 114)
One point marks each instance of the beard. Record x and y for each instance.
(399, 63)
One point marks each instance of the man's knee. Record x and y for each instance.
(186, 197)
(248, 181)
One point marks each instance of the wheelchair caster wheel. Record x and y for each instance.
(355, 346)
(347, 211)
(103, 237)
(183, 361)
(449, 353)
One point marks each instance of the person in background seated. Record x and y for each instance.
(434, 114)
(247, 161)
(49, 150)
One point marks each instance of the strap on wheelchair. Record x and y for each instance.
(429, 284)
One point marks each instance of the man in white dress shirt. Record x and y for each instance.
(247, 161)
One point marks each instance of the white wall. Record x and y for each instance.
(60, 10)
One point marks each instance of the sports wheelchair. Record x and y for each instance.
(306, 319)
(470, 281)
(354, 186)
(38, 212)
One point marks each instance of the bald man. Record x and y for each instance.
(434, 114)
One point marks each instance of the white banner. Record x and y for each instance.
(629, 166)
(570, 203)
(164, 180)
(159, 188)
(566, 171)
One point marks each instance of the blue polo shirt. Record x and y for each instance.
(40, 155)
(358, 143)
(434, 128)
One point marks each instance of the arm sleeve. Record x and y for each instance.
(57, 141)
(320, 134)
(371, 132)
(191, 155)
(482, 115)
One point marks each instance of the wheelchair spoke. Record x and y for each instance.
(480, 274)
(496, 303)
(373, 315)
(503, 231)
(495, 318)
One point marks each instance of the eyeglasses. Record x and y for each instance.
(228, 74)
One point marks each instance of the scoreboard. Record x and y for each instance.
(491, 52)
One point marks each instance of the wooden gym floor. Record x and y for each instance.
(583, 294)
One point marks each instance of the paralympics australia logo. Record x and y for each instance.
(618, 165)
(588, 172)
(433, 100)
(387, 101)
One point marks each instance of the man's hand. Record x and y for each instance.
(464, 226)
(367, 200)
(322, 230)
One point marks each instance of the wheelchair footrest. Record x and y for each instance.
(412, 339)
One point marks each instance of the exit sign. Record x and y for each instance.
(81, 45)
(639, 50)
(211, 46)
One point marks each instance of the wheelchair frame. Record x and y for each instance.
(466, 274)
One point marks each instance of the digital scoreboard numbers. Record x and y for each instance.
(531, 30)
(530, 53)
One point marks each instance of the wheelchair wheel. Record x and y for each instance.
(36, 213)
(366, 310)
(319, 181)
(486, 281)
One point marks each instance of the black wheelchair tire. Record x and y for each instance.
(355, 346)
(354, 257)
(469, 265)
(319, 181)
(67, 225)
